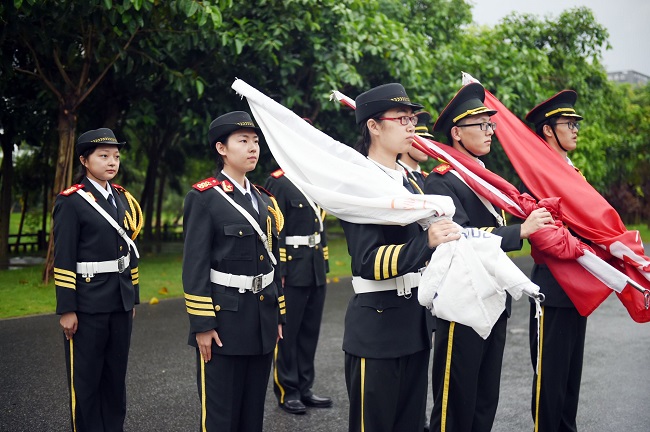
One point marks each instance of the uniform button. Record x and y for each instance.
(261, 297)
(261, 257)
(217, 308)
(87, 279)
(120, 247)
(316, 247)
(289, 258)
(300, 205)
(315, 220)
(241, 233)
(379, 311)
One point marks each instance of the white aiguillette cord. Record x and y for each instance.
(250, 220)
(111, 221)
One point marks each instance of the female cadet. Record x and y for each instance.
(387, 338)
(233, 296)
(97, 284)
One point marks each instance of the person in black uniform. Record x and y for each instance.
(233, 295)
(303, 267)
(466, 369)
(387, 337)
(97, 282)
(412, 159)
(556, 388)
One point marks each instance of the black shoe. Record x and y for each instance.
(293, 406)
(316, 401)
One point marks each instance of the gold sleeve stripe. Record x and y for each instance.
(283, 311)
(135, 281)
(195, 305)
(281, 298)
(487, 229)
(65, 285)
(380, 254)
(204, 299)
(60, 278)
(386, 262)
(283, 250)
(201, 313)
(282, 304)
(64, 272)
(395, 259)
(134, 270)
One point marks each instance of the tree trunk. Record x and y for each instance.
(148, 195)
(159, 205)
(23, 212)
(63, 177)
(5, 196)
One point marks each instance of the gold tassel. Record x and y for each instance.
(135, 219)
(277, 214)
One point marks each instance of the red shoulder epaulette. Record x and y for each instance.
(277, 173)
(206, 184)
(261, 189)
(443, 168)
(118, 188)
(71, 189)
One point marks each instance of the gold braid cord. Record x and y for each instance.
(277, 214)
(134, 220)
(269, 233)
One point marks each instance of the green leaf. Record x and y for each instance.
(199, 87)
(108, 4)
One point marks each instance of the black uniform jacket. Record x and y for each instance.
(470, 211)
(300, 265)
(219, 237)
(554, 294)
(81, 234)
(383, 324)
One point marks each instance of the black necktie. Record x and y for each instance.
(408, 185)
(419, 178)
(250, 198)
(113, 206)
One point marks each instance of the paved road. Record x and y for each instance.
(162, 392)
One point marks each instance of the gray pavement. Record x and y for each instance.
(162, 392)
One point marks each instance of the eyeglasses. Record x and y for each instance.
(483, 126)
(404, 120)
(571, 125)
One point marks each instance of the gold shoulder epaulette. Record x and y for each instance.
(206, 184)
(277, 173)
(72, 189)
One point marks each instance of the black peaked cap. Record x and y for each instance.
(228, 123)
(380, 99)
(96, 137)
(559, 105)
(467, 102)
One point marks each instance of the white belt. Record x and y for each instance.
(90, 269)
(244, 283)
(402, 284)
(310, 240)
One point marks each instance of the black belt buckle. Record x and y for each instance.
(257, 284)
(120, 265)
(312, 240)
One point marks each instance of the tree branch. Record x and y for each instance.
(40, 73)
(104, 72)
(88, 48)
(59, 66)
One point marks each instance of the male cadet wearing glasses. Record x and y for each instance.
(303, 267)
(562, 336)
(466, 370)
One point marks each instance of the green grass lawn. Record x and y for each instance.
(22, 292)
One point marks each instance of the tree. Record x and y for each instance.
(69, 47)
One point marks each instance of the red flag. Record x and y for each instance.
(587, 213)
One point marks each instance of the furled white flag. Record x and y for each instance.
(340, 179)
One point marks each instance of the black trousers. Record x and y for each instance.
(466, 376)
(294, 374)
(387, 395)
(556, 389)
(232, 390)
(96, 359)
